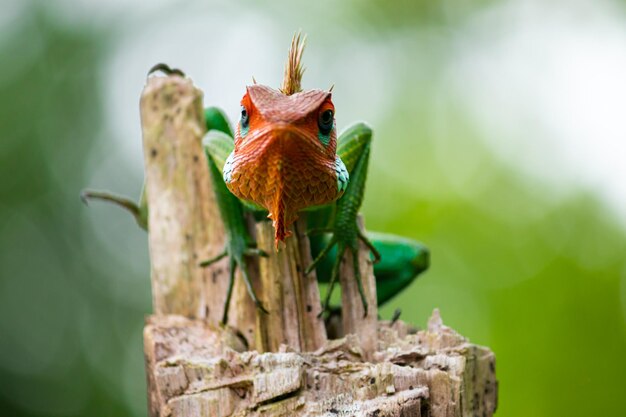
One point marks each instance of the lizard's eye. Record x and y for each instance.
(325, 122)
(245, 120)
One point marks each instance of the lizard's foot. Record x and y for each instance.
(139, 213)
(164, 68)
(345, 242)
(238, 252)
(396, 316)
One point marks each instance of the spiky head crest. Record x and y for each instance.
(292, 79)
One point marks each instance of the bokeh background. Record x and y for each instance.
(500, 142)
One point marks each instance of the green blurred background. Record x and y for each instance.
(499, 142)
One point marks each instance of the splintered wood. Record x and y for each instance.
(202, 371)
(281, 363)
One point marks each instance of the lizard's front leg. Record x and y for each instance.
(239, 246)
(402, 261)
(353, 148)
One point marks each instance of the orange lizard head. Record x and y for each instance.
(285, 149)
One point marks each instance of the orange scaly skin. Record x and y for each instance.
(279, 161)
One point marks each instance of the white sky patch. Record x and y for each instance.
(546, 84)
(12, 11)
(79, 11)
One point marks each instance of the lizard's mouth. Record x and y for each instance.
(284, 169)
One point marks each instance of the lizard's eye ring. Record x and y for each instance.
(245, 119)
(325, 122)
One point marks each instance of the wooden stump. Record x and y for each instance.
(198, 370)
(280, 364)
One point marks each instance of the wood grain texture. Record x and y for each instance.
(200, 371)
(291, 297)
(183, 219)
(353, 315)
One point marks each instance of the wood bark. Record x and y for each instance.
(281, 363)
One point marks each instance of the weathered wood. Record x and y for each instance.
(183, 219)
(291, 297)
(312, 330)
(353, 315)
(200, 371)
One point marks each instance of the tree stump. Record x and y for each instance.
(280, 364)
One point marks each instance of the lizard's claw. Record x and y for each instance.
(237, 254)
(369, 245)
(252, 251)
(396, 316)
(214, 259)
(164, 68)
(345, 242)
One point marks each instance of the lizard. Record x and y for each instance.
(285, 157)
